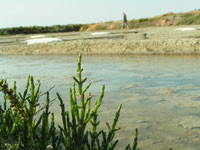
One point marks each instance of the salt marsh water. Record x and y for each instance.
(160, 94)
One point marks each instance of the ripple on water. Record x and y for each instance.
(159, 93)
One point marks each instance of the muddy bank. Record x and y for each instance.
(160, 40)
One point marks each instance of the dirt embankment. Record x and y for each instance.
(154, 40)
(168, 19)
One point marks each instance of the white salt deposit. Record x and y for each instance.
(46, 40)
(186, 29)
(100, 33)
(37, 36)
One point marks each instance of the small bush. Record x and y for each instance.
(40, 29)
(101, 27)
(24, 125)
(143, 20)
(189, 18)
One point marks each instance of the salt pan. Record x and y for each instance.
(37, 36)
(45, 40)
(185, 29)
(100, 33)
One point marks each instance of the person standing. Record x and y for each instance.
(125, 21)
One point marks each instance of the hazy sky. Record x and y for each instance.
(51, 12)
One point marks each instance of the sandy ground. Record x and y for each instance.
(158, 40)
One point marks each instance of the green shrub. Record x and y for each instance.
(102, 27)
(40, 29)
(187, 19)
(143, 20)
(197, 19)
(27, 126)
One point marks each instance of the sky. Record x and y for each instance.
(14, 13)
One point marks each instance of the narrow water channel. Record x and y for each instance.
(160, 94)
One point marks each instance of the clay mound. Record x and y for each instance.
(196, 12)
(165, 15)
(104, 26)
(83, 28)
(168, 19)
(95, 26)
(115, 25)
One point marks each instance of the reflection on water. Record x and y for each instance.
(160, 94)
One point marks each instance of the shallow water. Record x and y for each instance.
(160, 94)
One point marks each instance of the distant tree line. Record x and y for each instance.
(40, 29)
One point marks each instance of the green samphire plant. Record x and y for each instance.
(25, 125)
